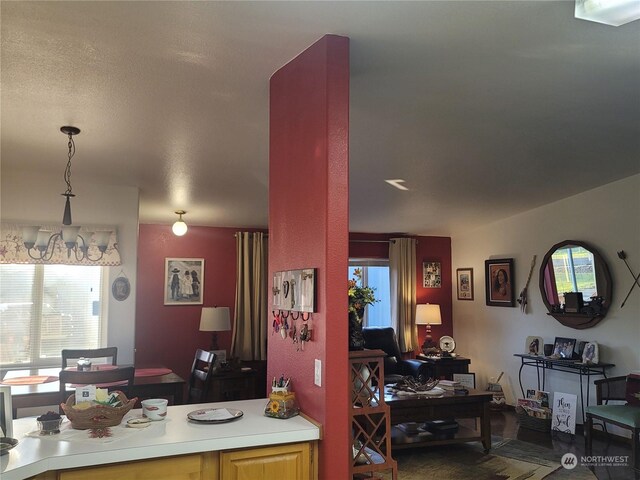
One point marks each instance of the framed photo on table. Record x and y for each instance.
(467, 380)
(499, 277)
(464, 278)
(183, 281)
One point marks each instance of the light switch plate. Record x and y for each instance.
(317, 377)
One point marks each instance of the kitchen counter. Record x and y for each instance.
(173, 436)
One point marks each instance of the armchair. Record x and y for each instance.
(625, 416)
(395, 367)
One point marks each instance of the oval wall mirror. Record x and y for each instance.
(575, 284)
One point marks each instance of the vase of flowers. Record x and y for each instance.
(359, 297)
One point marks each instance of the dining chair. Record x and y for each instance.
(626, 416)
(200, 378)
(74, 354)
(116, 379)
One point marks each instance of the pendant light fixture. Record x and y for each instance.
(179, 228)
(41, 244)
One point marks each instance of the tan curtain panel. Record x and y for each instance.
(402, 280)
(13, 250)
(250, 320)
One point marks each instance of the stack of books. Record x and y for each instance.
(449, 385)
(442, 429)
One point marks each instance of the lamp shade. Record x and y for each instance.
(215, 319)
(428, 314)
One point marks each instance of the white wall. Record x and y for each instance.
(608, 218)
(35, 198)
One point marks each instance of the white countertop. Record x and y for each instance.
(173, 436)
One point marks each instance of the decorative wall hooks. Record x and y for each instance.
(294, 290)
(285, 324)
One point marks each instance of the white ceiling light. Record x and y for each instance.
(397, 182)
(179, 228)
(609, 12)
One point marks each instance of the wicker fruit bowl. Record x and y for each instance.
(97, 416)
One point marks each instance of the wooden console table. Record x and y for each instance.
(233, 385)
(575, 367)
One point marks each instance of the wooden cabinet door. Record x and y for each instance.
(183, 467)
(268, 463)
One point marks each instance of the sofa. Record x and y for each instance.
(395, 367)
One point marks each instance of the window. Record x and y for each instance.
(375, 273)
(45, 308)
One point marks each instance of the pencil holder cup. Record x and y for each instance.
(282, 403)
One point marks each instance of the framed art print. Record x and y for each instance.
(183, 281)
(464, 278)
(431, 275)
(499, 277)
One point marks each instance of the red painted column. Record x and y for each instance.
(308, 228)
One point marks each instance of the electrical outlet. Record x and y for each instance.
(317, 377)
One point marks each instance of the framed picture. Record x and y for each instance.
(6, 412)
(590, 353)
(564, 412)
(121, 288)
(563, 347)
(431, 276)
(465, 283)
(467, 380)
(183, 281)
(533, 346)
(499, 278)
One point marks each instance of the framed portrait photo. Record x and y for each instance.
(464, 278)
(500, 290)
(563, 347)
(183, 281)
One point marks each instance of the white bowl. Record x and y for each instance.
(155, 408)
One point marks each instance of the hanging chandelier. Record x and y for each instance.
(42, 244)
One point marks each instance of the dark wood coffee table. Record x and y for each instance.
(448, 406)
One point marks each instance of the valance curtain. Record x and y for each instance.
(12, 249)
(402, 281)
(250, 319)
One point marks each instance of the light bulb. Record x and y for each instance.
(179, 228)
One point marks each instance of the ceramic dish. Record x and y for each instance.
(138, 422)
(447, 344)
(6, 444)
(214, 415)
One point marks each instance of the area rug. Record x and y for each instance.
(508, 460)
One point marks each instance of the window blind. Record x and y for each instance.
(45, 308)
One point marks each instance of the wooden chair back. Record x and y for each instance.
(74, 354)
(116, 379)
(200, 378)
(613, 388)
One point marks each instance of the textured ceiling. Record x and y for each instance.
(486, 109)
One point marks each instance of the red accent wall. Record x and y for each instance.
(308, 228)
(429, 249)
(168, 334)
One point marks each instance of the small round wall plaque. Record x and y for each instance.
(121, 288)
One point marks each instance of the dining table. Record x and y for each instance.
(37, 387)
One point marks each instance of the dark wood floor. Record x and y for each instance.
(505, 424)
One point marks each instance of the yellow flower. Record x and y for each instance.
(274, 406)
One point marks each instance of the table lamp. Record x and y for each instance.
(428, 314)
(215, 319)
